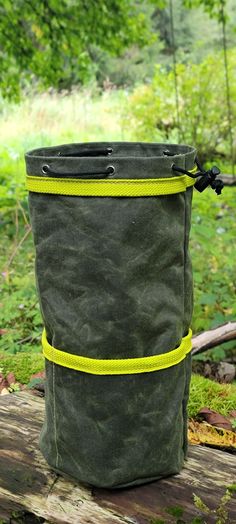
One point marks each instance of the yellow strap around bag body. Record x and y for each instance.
(117, 187)
(125, 366)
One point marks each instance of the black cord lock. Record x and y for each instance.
(205, 178)
(208, 178)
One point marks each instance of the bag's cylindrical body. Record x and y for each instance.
(111, 229)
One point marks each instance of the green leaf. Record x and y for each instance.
(207, 299)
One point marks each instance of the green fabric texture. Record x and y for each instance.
(114, 281)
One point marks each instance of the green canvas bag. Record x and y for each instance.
(111, 228)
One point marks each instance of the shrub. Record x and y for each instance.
(152, 115)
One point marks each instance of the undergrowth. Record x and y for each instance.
(23, 365)
(215, 396)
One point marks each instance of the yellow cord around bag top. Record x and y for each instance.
(109, 188)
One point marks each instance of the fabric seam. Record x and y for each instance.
(54, 415)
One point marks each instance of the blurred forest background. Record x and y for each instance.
(73, 72)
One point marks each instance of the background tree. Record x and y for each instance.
(60, 44)
(196, 35)
(51, 40)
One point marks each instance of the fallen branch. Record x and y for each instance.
(214, 337)
(229, 180)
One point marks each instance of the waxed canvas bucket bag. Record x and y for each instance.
(111, 228)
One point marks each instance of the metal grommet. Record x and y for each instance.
(109, 150)
(110, 170)
(45, 169)
(168, 153)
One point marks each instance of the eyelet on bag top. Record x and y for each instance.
(45, 169)
(110, 170)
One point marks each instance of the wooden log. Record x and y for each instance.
(29, 487)
(213, 337)
(229, 180)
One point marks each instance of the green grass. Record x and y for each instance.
(23, 365)
(206, 393)
(48, 119)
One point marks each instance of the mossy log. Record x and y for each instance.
(31, 492)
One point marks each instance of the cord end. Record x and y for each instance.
(208, 178)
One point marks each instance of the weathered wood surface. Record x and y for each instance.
(27, 483)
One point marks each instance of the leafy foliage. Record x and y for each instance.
(213, 255)
(212, 7)
(195, 36)
(61, 44)
(202, 105)
(51, 41)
